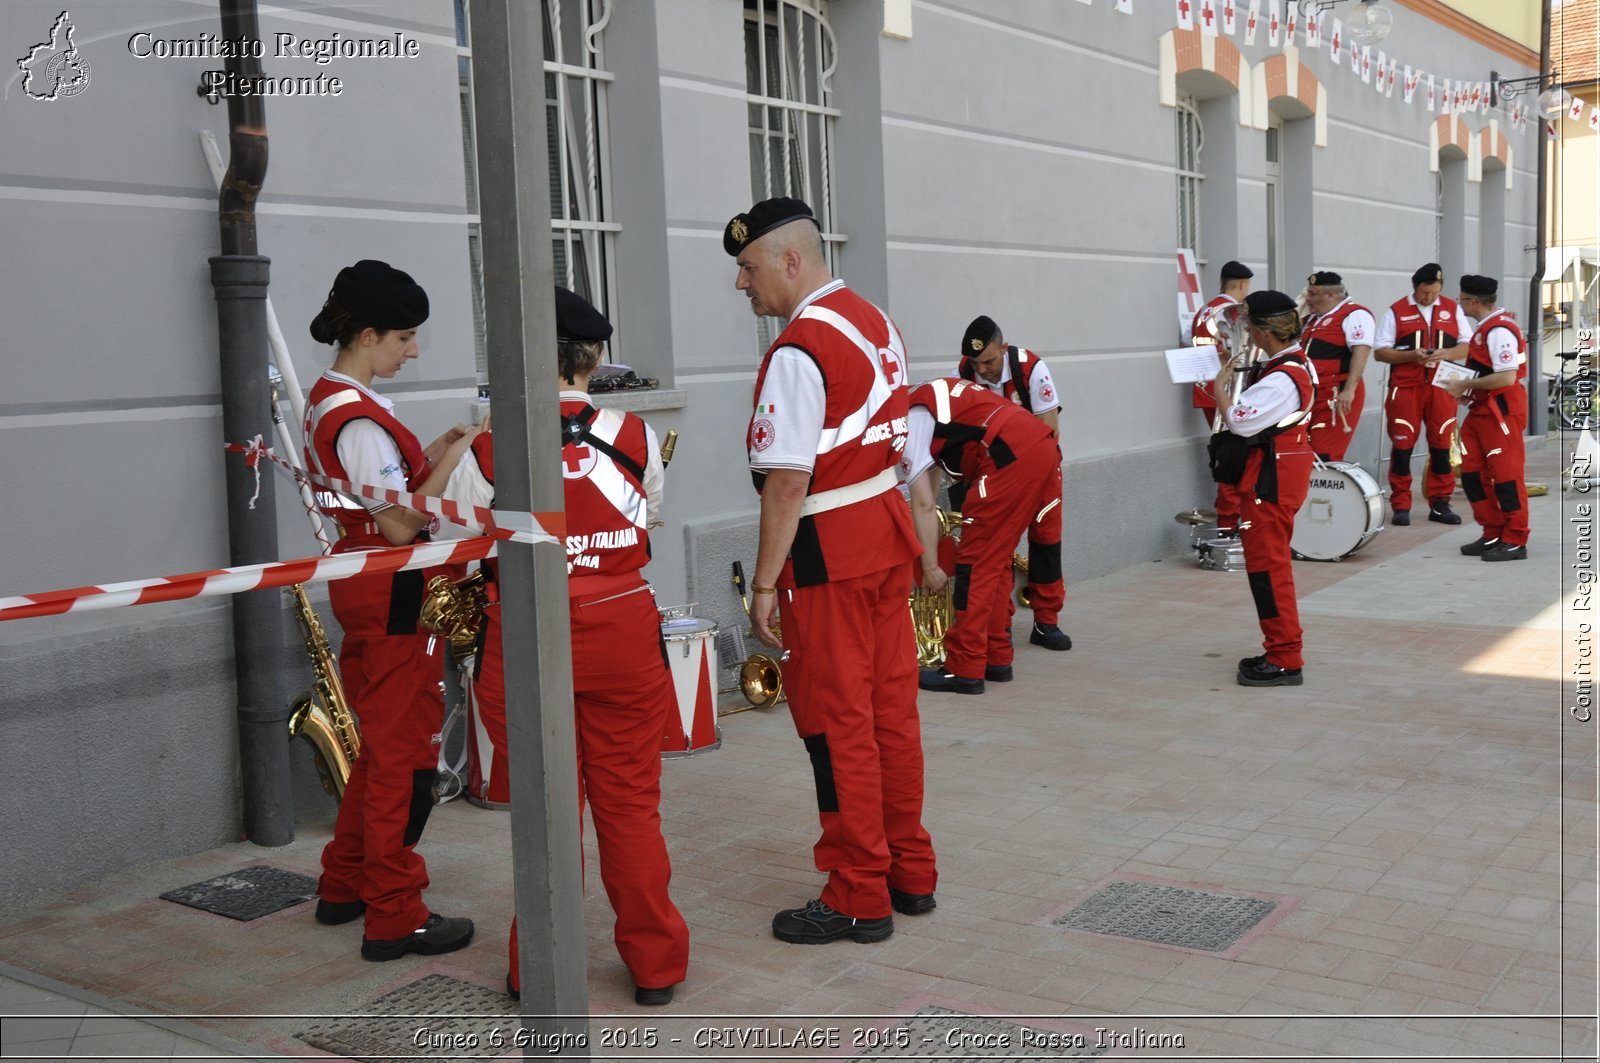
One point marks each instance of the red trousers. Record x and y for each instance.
(1492, 465)
(852, 682)
(392, 684)
(1414, 412)
(622, 695)
(1268, 563)
(489, 774)
(1046, 588)
(1330, 436)
(1228, 502)
(998, 507)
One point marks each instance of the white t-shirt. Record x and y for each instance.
(1041, 386)
(1266, 402)
(1502, 344)
(1359, 326)
(919, 444)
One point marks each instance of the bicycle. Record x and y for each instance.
(1573, 394)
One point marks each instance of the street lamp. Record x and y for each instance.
(1510, 88)
(1367, 25)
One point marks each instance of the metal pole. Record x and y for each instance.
(519, 307)
(1538, 415)
(239, 276)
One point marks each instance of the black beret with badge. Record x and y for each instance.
(1432, 273)
(979, 335)
(1324, 278)
(1268, 304)
(576, 319)
(745, 229)
(1236, 271)
(377, 294)
(1479, 287)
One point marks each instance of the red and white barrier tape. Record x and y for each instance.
(497, 523)
(318, 569)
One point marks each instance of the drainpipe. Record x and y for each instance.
(1538, 415)
(239, 276)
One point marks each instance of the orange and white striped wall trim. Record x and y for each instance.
(1283, 77)
(1185, 51)
(1490, 143)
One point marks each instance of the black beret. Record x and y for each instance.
(744, 229)
(377, 294)
(979, 335)
(1482, 287)
(1265, 304)
(577, 320)
(1432, 273)
(1234, 271)
(1324, 277)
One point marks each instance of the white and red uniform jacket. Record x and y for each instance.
(335, 435)
(1328, 340)
(1497, 345)
(1409, 327)
(830, 399)
(969, 430)
(1024, 379)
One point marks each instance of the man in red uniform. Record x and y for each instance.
(371, 867)
(1266, 448)
(1339, 342)
(835, 557)
(1491, 432)
(1020, 376)
(621, 685)
(1012, 467)
(1417, 333)
(1207, 331)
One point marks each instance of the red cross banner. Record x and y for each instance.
(1228, 16)
(1208, 17)
(1313, 26)
(1185, 15)
(1575, 111)
(1188, 291)
(1366, 63)
(1252, 22)
(1274, 23)
(1410, 89)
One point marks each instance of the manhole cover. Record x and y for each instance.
(248, 893)
(433, 1017)
(1169, 915)
(949, 1035)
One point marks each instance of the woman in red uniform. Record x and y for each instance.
(1267, 436)
(622, 688)
(371, 866)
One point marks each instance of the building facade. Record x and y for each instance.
(1038, 162)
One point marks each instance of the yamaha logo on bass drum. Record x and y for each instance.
(1326, 483)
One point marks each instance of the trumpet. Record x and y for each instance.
(761, 675)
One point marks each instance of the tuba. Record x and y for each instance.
(932, 614)
(322, 716)
(1231, 326)
(761, 675)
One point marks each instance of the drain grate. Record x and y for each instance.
(249, 893)
(435, 1016)
(933, 1032)
(1169, 915)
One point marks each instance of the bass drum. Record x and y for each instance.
(1343, 512)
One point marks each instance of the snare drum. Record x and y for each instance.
(692, 656)
(1343, 512)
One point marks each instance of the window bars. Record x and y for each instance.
(1190, 140)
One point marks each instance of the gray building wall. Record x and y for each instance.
(1009, 158)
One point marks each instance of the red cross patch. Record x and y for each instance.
(577, 461)
(762, 434)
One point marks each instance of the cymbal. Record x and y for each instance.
(1196, 517)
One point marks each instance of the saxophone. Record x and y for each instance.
(322, 716)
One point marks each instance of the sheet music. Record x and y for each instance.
(1192, 365)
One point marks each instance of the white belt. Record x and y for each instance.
(848, 495)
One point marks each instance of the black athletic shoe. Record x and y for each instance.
(1441, 513)
(817, 924)
(436, 935)
(332, 913)
(998, 673)
(1478, 546)
(1051, 637)
(911, 903)
(1252, 662)
(1267, 674)
(652, 998)
(939, 680)
(1505, 552)
(1401, 518)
